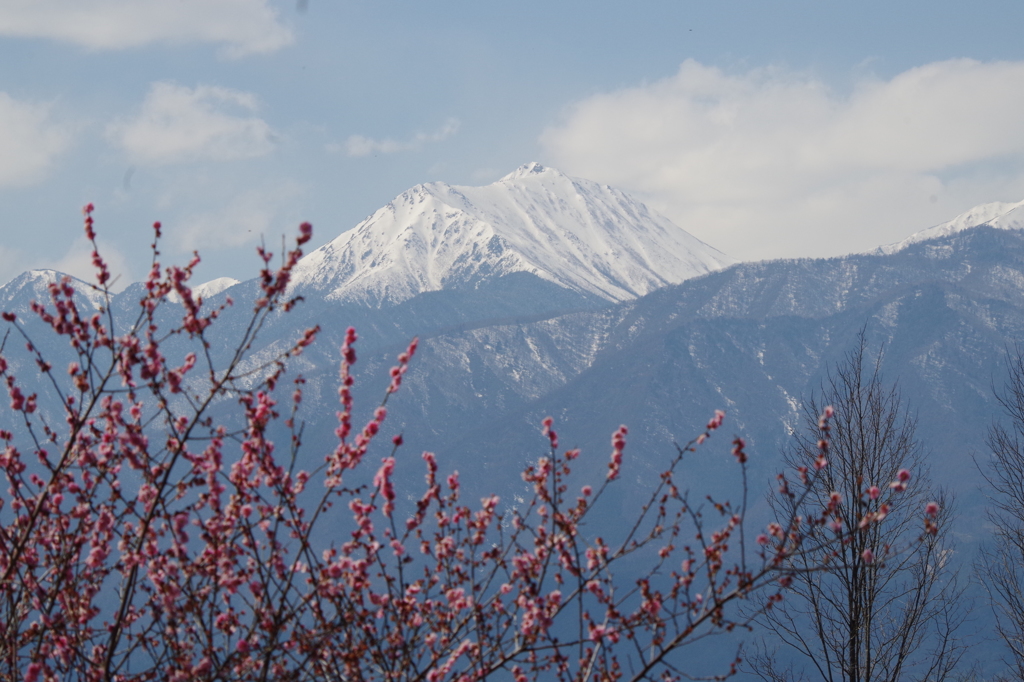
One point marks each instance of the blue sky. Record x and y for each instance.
(766, 128)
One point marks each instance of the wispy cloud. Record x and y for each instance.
(178, 124)
(772, 163)
(77, 262)
(29, 141)
(242, 220)
(12, 263)
(242, 26)
(358, 145)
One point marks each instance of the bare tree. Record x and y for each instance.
(1001, 568)
(887, 609)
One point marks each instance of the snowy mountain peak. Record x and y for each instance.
(214, 287)
(207, 290)
(580, 235)
(33, 285)
(528, 169)
(999, 214)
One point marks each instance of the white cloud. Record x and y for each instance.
(77, 262)
(773, 163)
(12, 264)
(244, 220)
(29, 141)
(241, 26)
(357, 145)
(179, 124)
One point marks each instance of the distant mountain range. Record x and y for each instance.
(543, 294)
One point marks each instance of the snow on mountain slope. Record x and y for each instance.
(209, 289)
(33, 285)
(999, 214)
(578, 234)
(214, 287)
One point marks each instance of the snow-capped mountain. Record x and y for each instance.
(1000, 215)
(580, 235)
(33, 285)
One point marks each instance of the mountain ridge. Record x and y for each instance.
(578, 234)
